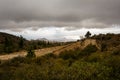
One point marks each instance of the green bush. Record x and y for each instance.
(77, 53)
(71, 54)
(116, 52)
(114, 63)
(30, 53)
(88, 50)
(95, 57)
(13, 62)
(103, 47)
(88, 71)
(66, 55)
(49, 55)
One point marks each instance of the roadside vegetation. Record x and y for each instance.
(89, 63)
(86, 64)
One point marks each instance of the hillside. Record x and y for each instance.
(88, 59)
(10, 36)
(10, 43)
(108, 44)
(55, 50)
(104, 42)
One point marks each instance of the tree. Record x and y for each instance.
(30, 53)
(8, 45)
(88, 34)
(103, 47)
(21, 42)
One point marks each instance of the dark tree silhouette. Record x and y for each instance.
(30, 52)
(8, 45)
(88, 34)
(21, 43)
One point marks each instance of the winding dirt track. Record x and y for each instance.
(38, 53)
(55, 50)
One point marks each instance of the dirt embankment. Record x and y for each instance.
(89, 41)
(80, 44)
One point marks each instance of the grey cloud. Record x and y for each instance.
(18, 14)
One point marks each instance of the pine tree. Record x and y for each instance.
(8, 45)
(21, 42)
(88, 34)
(30, 53)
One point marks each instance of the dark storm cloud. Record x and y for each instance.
(72, 14)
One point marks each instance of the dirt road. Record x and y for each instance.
(38, 53)
(55, 50)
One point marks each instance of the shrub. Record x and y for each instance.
(73, 54)
(30, 53)
(66, 55)
(114, 63)
(39, 60)
(95, 57)
(49, 55)
(16, 61)
(5, 74)
(88, 71)
(103, 47)
(88, 50)
(116, 52)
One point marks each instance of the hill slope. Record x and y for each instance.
(56, 50)
(107, 43)
(10, 43)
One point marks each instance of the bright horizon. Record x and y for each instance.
(60, 34)
(59, 19)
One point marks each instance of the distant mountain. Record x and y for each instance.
(43, 39)
(55, 40)
(64, 40)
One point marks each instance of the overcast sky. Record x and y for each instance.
(17, 16)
